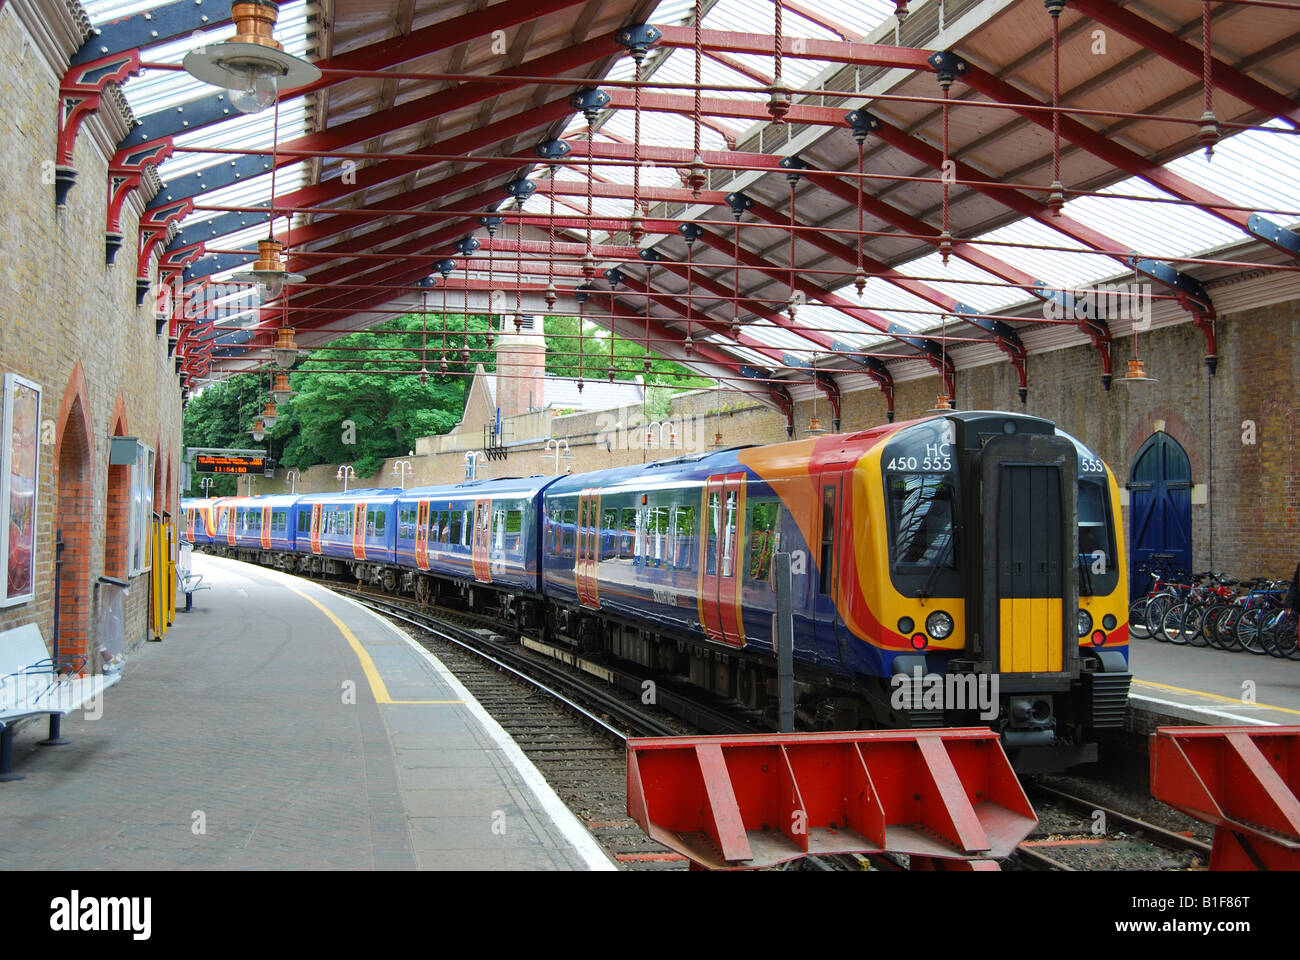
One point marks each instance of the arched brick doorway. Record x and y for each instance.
(117, 521)
(1160, 509)
(75, 525)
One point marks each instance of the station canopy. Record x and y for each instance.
(790, 198)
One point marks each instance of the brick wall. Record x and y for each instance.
(72, 325)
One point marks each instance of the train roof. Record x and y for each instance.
(362, 493)
(528, 486)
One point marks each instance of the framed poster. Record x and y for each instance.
(20, 435)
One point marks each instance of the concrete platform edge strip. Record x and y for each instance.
(564, 819)
(1195, 714)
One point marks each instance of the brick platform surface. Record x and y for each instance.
(252, 738)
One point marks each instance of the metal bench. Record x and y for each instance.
(33, 683)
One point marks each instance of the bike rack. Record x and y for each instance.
(947, 798)
(1242, 780)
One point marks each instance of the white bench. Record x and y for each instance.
(33, 684)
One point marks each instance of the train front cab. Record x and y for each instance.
(1012, 549)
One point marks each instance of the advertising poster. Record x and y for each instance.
(20, 419)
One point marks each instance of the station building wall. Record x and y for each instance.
(71, 324)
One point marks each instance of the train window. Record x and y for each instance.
(499, 527)
(514, 529)
(714, 520)
(455, 525)
(627, 534)
(829, 518)
(381, 517)
(439, 525)
(609, 534)
(729, 532)
(1098, 574)
(764, 517)
(570, 532)
(683, 533)
(921, 513)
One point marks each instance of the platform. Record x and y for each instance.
(1184, 684)
(280, 726)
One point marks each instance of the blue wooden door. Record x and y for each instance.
(1160, 510)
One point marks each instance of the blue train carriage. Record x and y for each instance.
(475, 544)
(262, 528)
(349, 535)
(682, 549)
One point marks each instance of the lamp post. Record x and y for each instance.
(293, 476)
(472, 460)
(557, 446)
(344, 473)
(251, 480)
(402, 468)
(206, 484)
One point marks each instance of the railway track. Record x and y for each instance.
(1077, 833)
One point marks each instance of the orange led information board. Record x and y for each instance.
(215, 463)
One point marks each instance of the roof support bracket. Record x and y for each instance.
(786, 404)
(1061, 304)
(832, 390)
(80, 94)
(126, 171)
(155, 226)
(1192, 297)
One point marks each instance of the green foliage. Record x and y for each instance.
(628, 357)
(379, 407)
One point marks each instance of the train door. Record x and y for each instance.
(721, 536)
(482, 535)
(232, 525)
(189, 524)
(315, 527)
(359, 531)
(1030, 573)
(824, 582)
(585, 565)
(266, 528)
(422, 535)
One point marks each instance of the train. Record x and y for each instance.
(962, 568)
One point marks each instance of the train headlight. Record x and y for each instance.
(1083, 622)
(939, 625)
(905, 625)
(1109, 621)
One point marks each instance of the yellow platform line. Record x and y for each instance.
(378, 688)
(1237, 701)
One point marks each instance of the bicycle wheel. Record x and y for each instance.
(1278, 633)
(1194, 625)
(1211, 624)
(1288, 626)
(1137, 619)
(1156, 609)
(1171, 628)
(1226, 635)
(1248, 631)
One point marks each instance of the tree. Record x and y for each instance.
(628, 357)
(344, 414)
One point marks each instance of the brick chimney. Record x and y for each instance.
(521, 366)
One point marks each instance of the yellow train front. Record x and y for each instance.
(978, 573)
